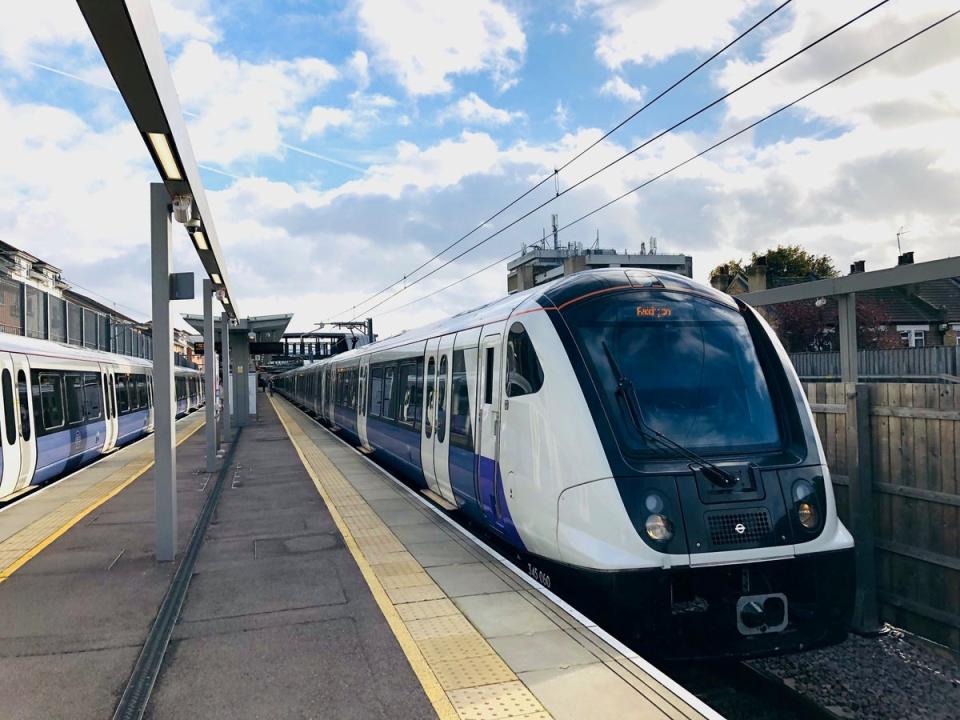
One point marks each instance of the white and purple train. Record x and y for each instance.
(64, 406)
(640, 440)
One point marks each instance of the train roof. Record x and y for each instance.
(51, 348)
(553, 293)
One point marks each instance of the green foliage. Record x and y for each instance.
(784, 261)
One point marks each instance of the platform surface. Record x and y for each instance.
(322, 589)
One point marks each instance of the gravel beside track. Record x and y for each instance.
(875, 678)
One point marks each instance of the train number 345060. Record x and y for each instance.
(539, 575)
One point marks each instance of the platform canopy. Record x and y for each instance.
(128, 38)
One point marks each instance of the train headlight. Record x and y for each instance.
(658, 527)
(808, 515)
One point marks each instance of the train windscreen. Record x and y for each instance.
(691, 363)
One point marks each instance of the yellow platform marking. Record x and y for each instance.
(24, 545)
(461, 674)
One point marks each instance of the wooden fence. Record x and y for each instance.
(937, 363)
(894, 455)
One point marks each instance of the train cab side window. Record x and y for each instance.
(74, 392)
(442, 400)
(50, 389)
(376, 391)
(141, 385)
(428, 412)
(123, 402)
(389, 406)
(409, 395)
(92, 402)
(9, 418)
(524, 373)
(461, 429)
(23, 391)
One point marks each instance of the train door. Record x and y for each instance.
(20, 375)
(10, 478)
(488, 426)
(363, 373)
(109, 409)
(428, 426)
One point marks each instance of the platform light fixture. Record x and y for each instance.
(161, 148)
(216, 279)
(225, 301)
(200, 240)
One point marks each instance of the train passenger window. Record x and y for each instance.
(409, 394)
(24, 394)
(74, 393)
(50, 389)
(442, 400)
(488, 378)
(461, 427)
(418, 410)
(524, 373)
(389, 406)
(428, 417)
(141, 385)
(92, 402)
(123, 402)
(376, 391)
(9, 418)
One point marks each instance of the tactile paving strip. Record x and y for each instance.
(461, 674)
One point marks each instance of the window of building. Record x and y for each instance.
(524, 374)
(9, 409)
(34, 312)
(389, 406)
(58, 319)
(461, 425)
(442, 400)
(89, 328)
(73, 386)
(74, 323)
(10, 320)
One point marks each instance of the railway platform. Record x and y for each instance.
(313, 585)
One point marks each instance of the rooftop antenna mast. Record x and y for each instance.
(900, 233)
(556, 239)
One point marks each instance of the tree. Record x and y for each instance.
(784, 261)
(802, 326)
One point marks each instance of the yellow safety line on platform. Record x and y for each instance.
(460, 673)
(35, 549)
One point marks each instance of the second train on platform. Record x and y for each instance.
(641, 443)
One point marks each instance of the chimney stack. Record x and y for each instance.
(905, 259)
(858, 266)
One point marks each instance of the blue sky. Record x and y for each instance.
(345, 142)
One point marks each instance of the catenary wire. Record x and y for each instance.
(690, 159)
(573, 159)
(630, 152)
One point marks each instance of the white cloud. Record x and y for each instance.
(561, 115)
(242, 107)
(648, 31)
(471, 109)
(422, 43)
(619, 88)
(321, 118)
(358, 67)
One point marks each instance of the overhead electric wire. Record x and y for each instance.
(700, 154)
(631, 152)
(576, 157)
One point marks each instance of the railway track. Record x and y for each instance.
(738, 691)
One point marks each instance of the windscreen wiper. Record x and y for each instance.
(713, 473)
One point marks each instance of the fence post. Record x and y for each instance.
(860, 471)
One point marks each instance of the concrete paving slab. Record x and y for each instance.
(546, 650)
(506, 613)
(562, 694)
(469, 579)
(431, 554)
